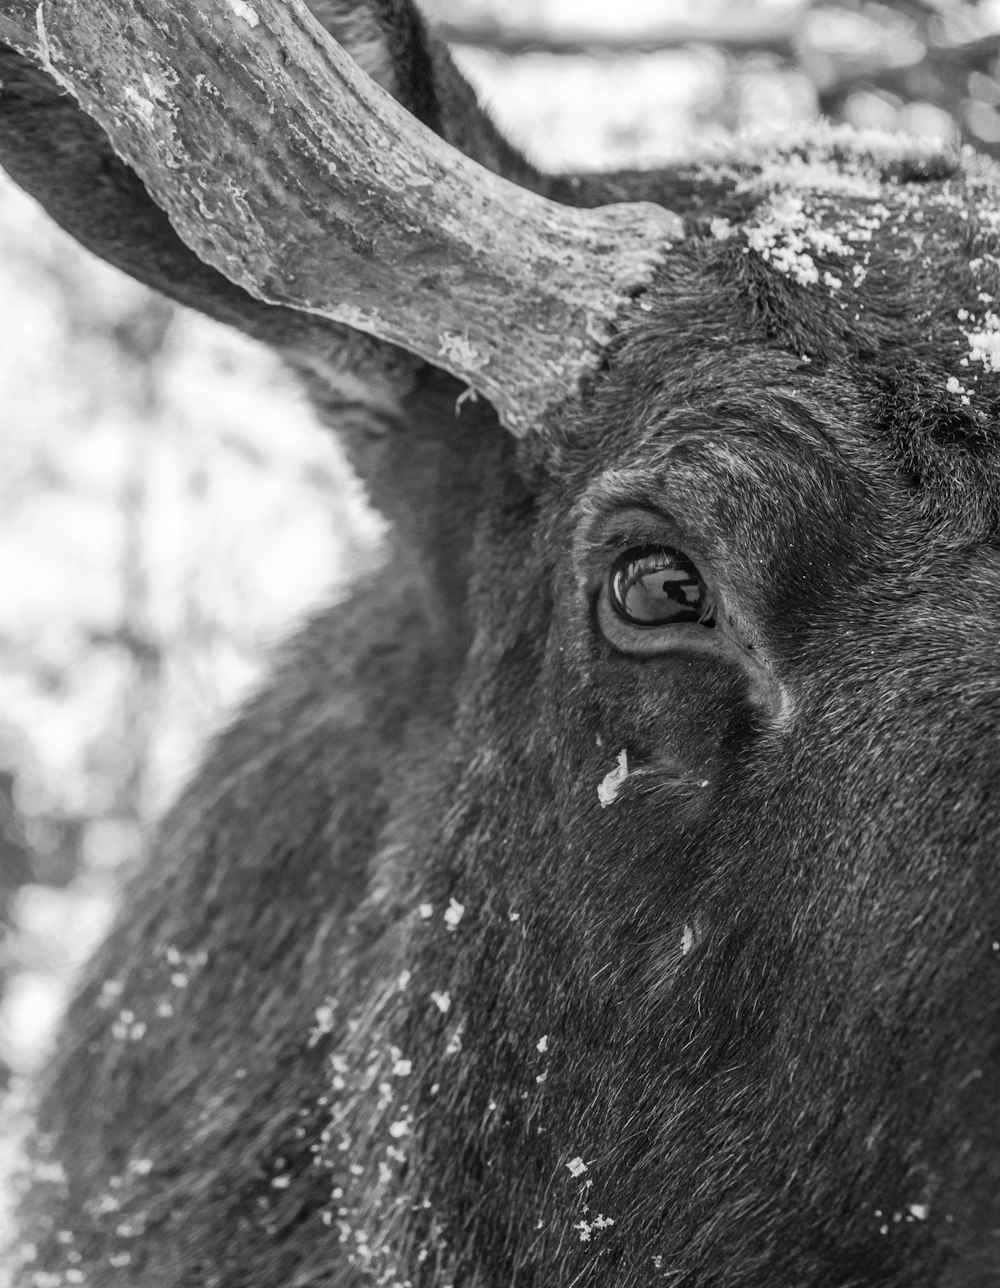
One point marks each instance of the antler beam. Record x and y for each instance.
(283, 166)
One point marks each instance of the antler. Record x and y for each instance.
(283, 166)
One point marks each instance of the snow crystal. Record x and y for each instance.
(110, 989)
(687, 941)
(442, 1001)
(918, 1211)
(543, 1043)
(954, 385)
(324, 1023)
(399, 1129)
(611, 783)
(576, 1166)
(426, 911)
(454, 913)
(402, 1068)
(587, 1227)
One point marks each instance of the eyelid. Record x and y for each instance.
(634, 526)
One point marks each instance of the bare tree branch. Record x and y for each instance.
(735, 33)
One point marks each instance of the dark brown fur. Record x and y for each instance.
(767, 975)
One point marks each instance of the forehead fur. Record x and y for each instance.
(852, 271)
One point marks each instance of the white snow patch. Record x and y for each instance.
(820, 173)
(611, 783)
(687, 941)
(458, 351)
(141, 107)
(426, 911)
(576, 1166)
(453, 913)
(543, 1043)
(918, 1211)
(242, 10)
(442, 1001)
(155, 89)
(984, 343)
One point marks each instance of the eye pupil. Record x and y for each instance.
(656, 586)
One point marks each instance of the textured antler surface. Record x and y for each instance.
(282, 165)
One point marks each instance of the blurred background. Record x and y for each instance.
(168, 508)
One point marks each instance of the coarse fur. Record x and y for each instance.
(400, 997)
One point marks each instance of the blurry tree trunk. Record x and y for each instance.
(140, 338)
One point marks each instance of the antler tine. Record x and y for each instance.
(282, 165)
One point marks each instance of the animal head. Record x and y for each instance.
(610, 896)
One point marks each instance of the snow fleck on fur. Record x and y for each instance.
(787, 235)
(453, 913)
(611, 783)
(324, 1023)
(576, 1166)
(586, 1228)
(442, 1001)
(984, 343)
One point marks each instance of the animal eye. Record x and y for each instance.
(658, 586)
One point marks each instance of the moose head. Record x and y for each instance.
(608, 894)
